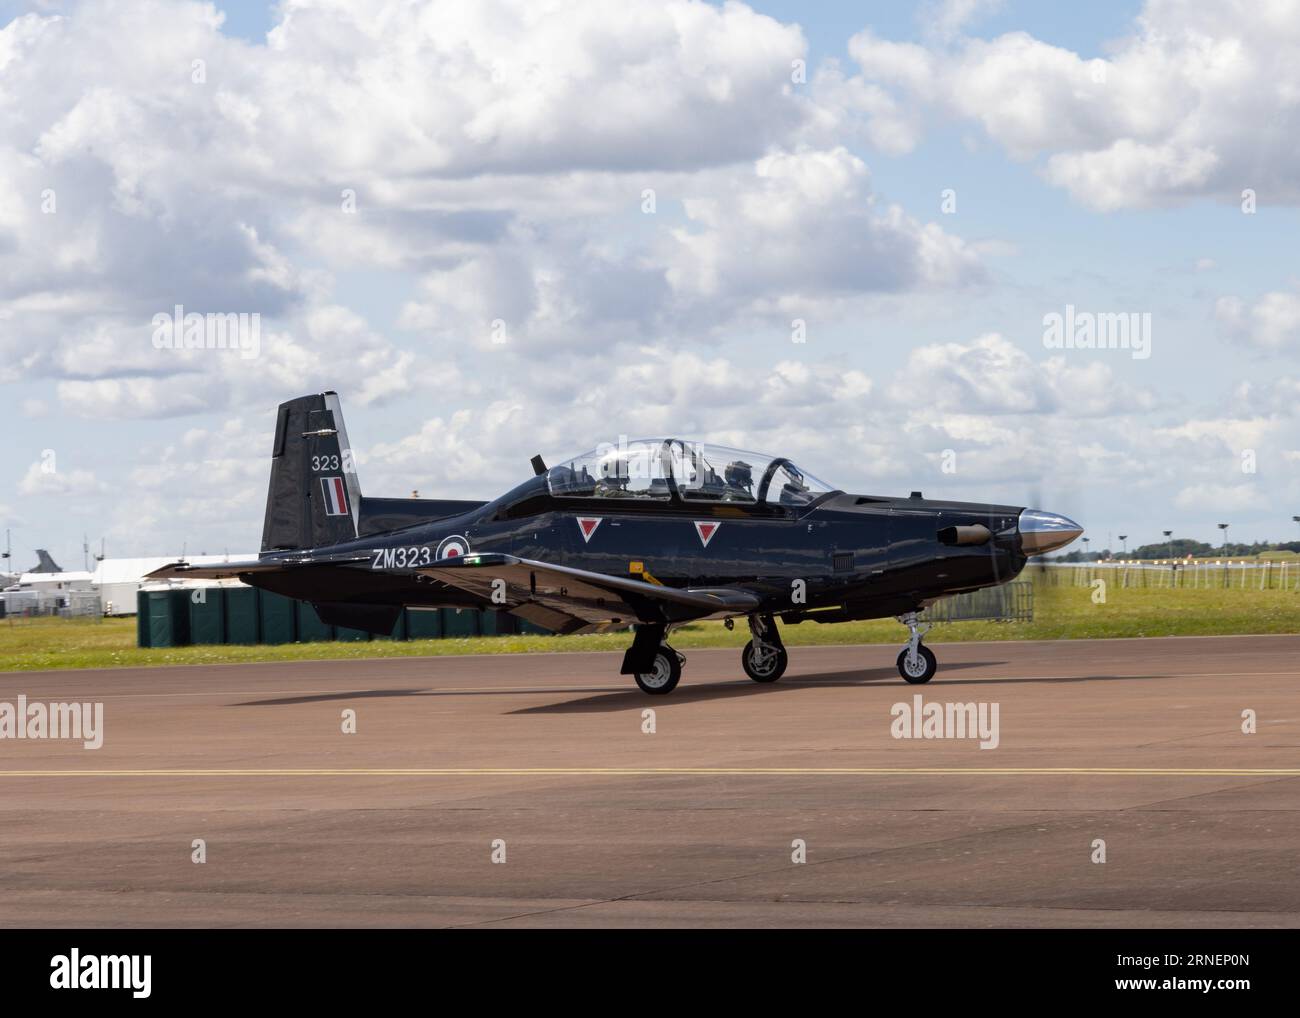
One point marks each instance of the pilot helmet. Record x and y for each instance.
(739, 474)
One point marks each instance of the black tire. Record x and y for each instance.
(665, 676)
(767, 667)
(931, 665)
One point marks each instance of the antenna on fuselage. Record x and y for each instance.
(539, 465)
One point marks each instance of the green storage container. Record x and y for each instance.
(310, 628)
(163, 618)
(423, 624)
(181, 617)
(276, 614)
(161, 632)
(141, 619)
(399, 629)
(497, 623)
(207, 611)
(345, 635)
(463, 622)
(241, 615)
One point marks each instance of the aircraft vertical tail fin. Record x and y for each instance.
(44, 563)
(314, 497)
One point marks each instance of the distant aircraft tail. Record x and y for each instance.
(315, 497)
(44, 563)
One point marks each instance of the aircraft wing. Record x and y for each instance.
(568, 600)
(236, 567)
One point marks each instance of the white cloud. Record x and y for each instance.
(1271, 324)
(112, 398)
(40, 479)
(991, 375)
(803, 225)
(1203, 98)
(480, 167)
(947, 18)
(1228, 435)
(1212, 498)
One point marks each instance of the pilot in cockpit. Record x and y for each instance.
(795, 491)
(740, 482)
(614, 476)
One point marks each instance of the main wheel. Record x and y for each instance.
(922, 669)
(764, 662)
(663, 677)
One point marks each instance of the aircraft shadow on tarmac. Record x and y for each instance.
(625, 699)
(604, 700)
(617, 698)
(729, 689)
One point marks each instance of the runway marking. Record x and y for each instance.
(440, 772)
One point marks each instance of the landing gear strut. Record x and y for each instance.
(916, 662)
(764, 658)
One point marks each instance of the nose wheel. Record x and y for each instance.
(763, 662)
(916, 662)
(764, 657)
(917, 669)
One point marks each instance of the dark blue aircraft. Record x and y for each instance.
(644, 535)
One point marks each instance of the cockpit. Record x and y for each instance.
(664, 468)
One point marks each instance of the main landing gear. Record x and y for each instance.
(662, 678)
(656, 667)
(764, 657)
(916, 662)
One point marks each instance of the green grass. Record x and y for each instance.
(1061, 613)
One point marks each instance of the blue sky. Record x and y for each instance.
(499, 166)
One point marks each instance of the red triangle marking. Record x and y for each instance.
(706, 531)
(588, 525)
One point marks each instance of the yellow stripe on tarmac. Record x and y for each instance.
(622, 772)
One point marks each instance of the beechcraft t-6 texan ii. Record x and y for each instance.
(645, 535)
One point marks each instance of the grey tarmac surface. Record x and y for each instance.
(1134, 742)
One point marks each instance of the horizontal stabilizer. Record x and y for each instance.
(181, 570)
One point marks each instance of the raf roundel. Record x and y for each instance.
(454, 546)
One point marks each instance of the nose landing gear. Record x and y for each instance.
(916, 662)
(764, 657)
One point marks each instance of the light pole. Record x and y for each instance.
(1169, 547)
(1086, 542)
(1224, 528)
(1123, 545)
(1294, 519)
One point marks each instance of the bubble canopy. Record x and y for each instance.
(661, 468)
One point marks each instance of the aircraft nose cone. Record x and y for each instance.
(1042, 532)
